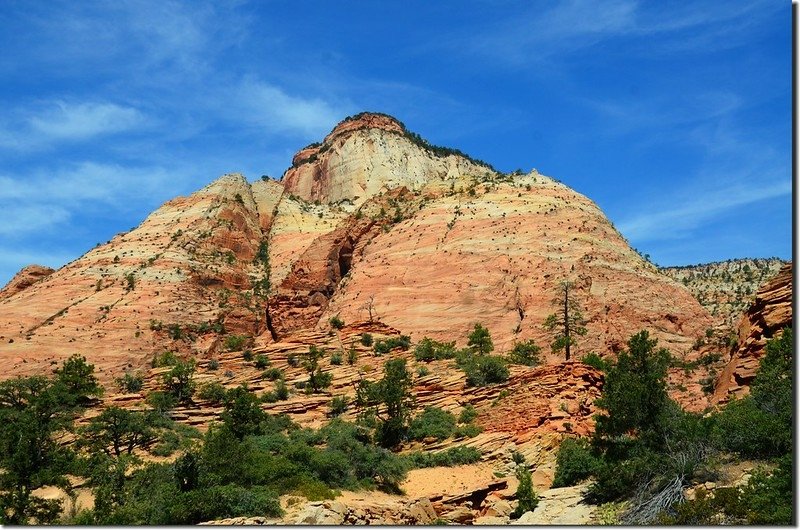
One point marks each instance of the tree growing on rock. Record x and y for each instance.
(317, 379)
(480, 341)
(567, 322)
(389, 400)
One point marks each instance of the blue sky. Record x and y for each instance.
(675, 117)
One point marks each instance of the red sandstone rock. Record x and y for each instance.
(26, 277)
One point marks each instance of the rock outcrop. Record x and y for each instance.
(770, 313)
(369, 154)
(26, 277)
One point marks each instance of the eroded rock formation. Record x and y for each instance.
(26, 277)
(770, 313)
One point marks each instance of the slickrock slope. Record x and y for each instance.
(493, 250)
(164, 285)
(26, 277)
(770, 313)
(726, 288)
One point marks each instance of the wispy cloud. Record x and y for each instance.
(37, 201)
(19, 220)
(60, 121)
(84, 120)
(272, 108)
(679, 216)
(545, 31)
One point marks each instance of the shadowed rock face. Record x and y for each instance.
(770, 313)
(370, 220)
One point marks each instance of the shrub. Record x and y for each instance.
(635, 393)
(431, 350)
(527, 500)
(454, 456)
(281, 390)
(422, 371)
(292, 360)
(391, 394)
(468, 414)
(468, 431)
(743, 428)
(213, 392)
(242, 414)
(179, 381)
(272, 374)
(78, 379)
(130, 382)
(385, 346)
(166, 358)
(338, 406)
(574, 462)
(262, 361)
(366, 339)
(525, 353)
(595, 361)
(213, 364)
(432, 422)
(484, 370)
(336, 358)
(247, 355)
(352, 356)
(175, 331)
(162, 402)
(317, 379)
(235, 342)
(336, 322)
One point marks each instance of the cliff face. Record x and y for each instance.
(373, 223)
(767, 316)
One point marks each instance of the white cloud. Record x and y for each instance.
(25, 219)
(60, 121)
(271, 107)
(676, 218)
(536, 35)
(35, 203)
(84, 120)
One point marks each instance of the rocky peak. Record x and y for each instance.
(366, 120)
(369, 154)
(26, 277)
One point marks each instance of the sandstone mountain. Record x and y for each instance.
(393, 236)
(372, 223)
(726, 288)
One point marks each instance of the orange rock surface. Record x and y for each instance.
(26, 277)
